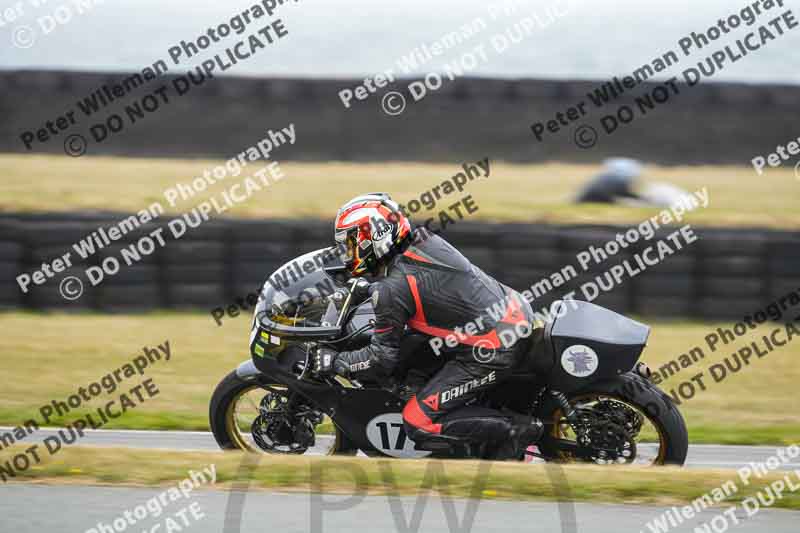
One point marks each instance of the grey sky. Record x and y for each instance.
(595, 39)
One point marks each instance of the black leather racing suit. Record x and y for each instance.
(433, 289)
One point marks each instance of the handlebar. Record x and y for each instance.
(321, 332)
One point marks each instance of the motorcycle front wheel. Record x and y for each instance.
(259, 417)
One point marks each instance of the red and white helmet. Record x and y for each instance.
(371, 229)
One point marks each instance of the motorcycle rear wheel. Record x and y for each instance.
(636, 393)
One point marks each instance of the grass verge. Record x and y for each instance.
(513, 192)
(460, 479)
(757, 405)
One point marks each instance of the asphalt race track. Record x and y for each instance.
(700, 455)
(78, 509)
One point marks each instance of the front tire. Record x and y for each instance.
(222, 419)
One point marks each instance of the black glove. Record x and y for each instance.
(361, 292)
(328, 362)
(324, 361)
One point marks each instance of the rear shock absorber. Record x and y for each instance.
(566, 408)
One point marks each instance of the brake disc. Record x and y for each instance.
(622, 414)
(279, 430)
(605, 435)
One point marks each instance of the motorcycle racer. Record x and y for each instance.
(426, 285)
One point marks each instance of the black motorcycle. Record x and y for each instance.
(581, 377)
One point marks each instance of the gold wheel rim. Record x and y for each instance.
(240, 441)
(230, 421)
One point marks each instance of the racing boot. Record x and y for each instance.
(525, 430)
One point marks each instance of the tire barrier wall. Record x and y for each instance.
(724, 274)
(469, 117)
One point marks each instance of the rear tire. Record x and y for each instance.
(644, 395)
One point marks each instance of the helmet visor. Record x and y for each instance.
(347, 245)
